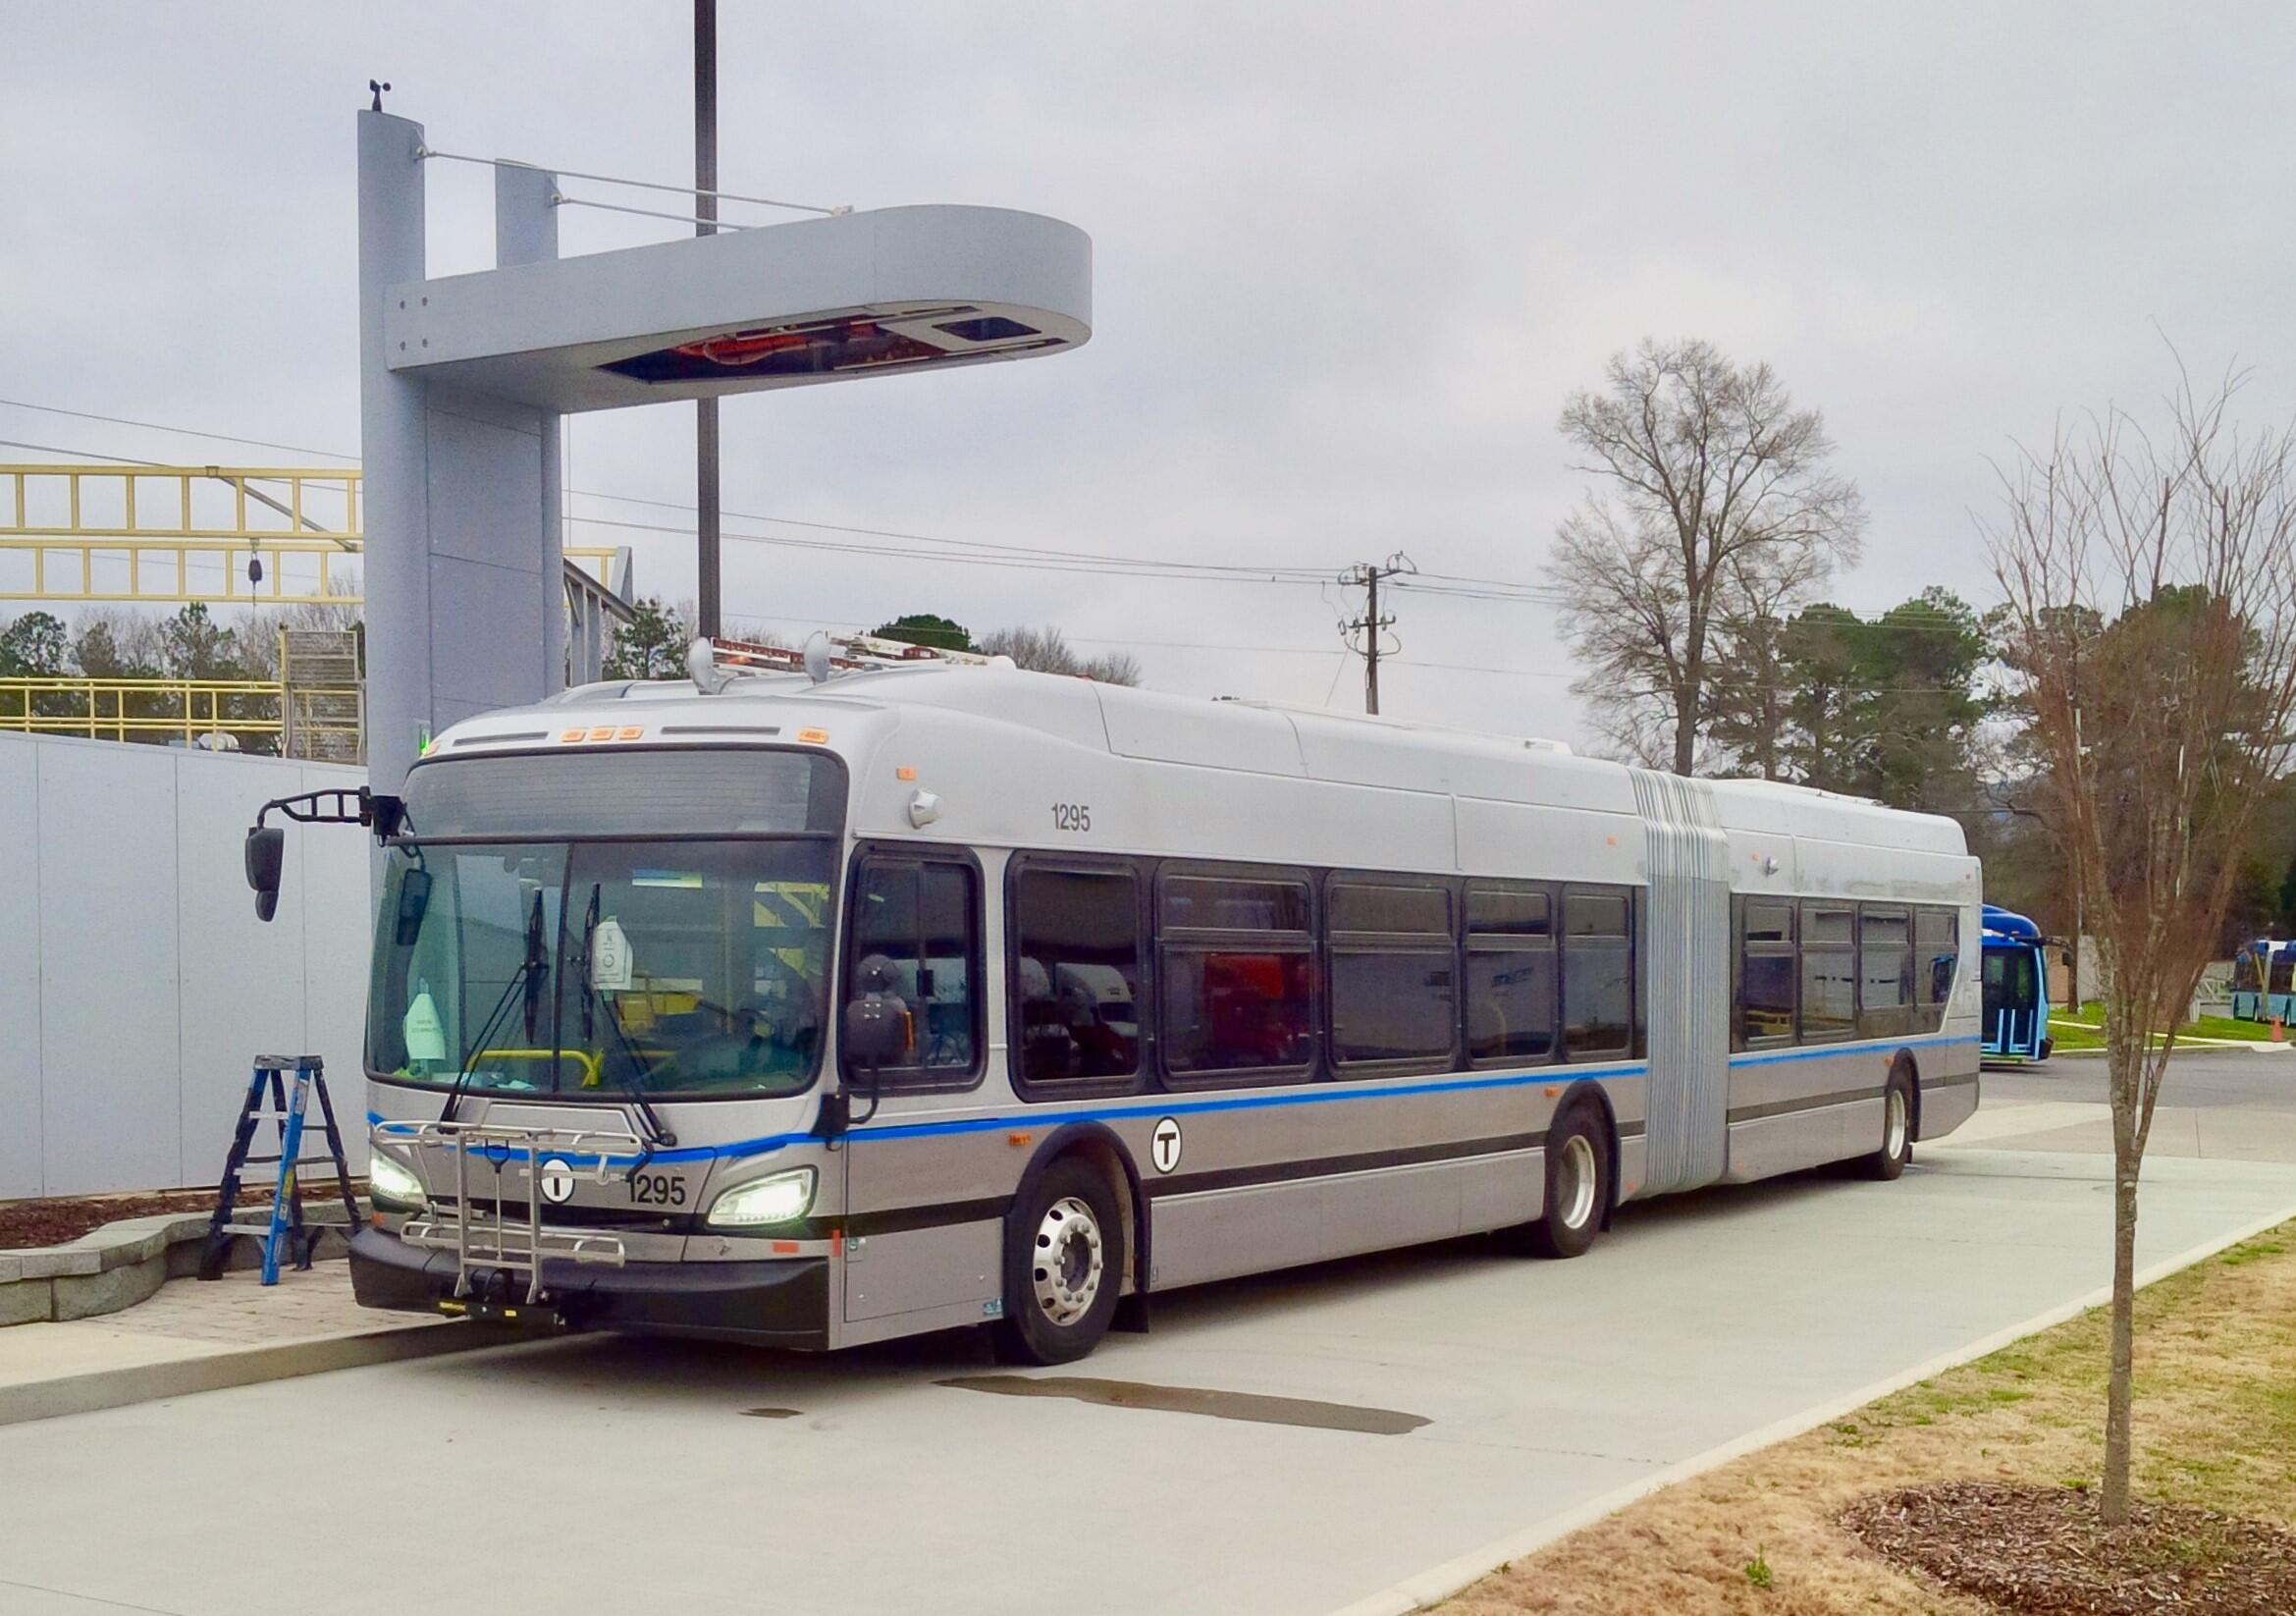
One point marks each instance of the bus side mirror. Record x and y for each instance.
(414, 898)
(266, 854)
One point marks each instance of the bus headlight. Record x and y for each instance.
(391, 1184)
(784, 1197)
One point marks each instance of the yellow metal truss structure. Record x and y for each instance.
(191, 711)
(178, 533)
(219, 534)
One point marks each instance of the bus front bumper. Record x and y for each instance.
(777, 1302)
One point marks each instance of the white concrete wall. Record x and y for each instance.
(137, 984)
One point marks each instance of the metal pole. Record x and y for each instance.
(1372, 647)
(393, 445)
(707, 615)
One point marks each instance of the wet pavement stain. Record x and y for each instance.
(1219, 1405)
(770, 1414)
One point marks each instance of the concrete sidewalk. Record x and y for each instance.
(194, 1336)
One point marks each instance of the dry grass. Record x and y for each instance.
(2215, 1405)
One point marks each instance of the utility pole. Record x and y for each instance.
(1365, 577)
(708, 621)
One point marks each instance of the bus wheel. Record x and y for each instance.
(1577, 1185)
(1064, 1258)
(1896, 1149)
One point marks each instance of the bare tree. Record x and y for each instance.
(1713, 483)
(1048, 651)
(2152, 623)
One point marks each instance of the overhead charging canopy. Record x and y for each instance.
(884, 293)
(463, 378)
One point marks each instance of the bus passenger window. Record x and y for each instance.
(1391, 971)
(1237, 976)
(921, 916)
(1937, 956)
(1598, 974)
(1829, 971)
(1077, 982)
(1510, 974)
(1766, 973)
(1884, 954)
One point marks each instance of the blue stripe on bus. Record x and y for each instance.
(741, 1149)
(1819, 1050)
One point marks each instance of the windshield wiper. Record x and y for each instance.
(641, 1072)
(531, 973)
(485, 1032)
(537, 968)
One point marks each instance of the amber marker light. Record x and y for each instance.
(814, 737)
(904, 772)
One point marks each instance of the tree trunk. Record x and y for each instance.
(1686, 726)
(2124, 1301)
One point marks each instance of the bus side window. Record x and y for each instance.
(1766, 973)
(1829, 971)
(1391, 960)
(1598, 972)
(1078, 986)
(1236, 972)
(1937, 956)
(1885, 993)
(1510, 975)
(922, 915)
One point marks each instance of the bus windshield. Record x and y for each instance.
(670, 965)
(2011, 983)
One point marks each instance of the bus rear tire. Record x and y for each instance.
(1578, 1191)
(1064, 1263)
(1885, 1163)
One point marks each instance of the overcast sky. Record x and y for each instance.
(1349, 259)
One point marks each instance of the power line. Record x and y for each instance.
(1304, 573)
(1448, 585)
(154, 426)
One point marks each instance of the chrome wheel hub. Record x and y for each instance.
(1066, 1265)
(1894, 1129)
(1575, 1177)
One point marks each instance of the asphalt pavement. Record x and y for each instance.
(1303, 1443)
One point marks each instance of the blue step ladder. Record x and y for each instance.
(288, 1102)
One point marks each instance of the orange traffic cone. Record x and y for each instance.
(2279, 1031)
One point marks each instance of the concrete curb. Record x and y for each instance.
(214, 1372)
(1439, 1583)
(126, 1261)
(2181, 1049)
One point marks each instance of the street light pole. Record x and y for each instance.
(708, 621)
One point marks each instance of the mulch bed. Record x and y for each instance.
(2043, 1549)
(63, 1218)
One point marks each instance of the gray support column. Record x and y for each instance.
(394, 452)
(526, 232)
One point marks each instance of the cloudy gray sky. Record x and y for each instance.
(1349, 259)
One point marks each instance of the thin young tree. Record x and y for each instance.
(2150, 611)
(1716, 500)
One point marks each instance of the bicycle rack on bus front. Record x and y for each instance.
(479, 1239)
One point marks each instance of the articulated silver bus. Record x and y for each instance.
(819, 1011)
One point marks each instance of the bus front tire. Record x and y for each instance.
(1896, 1149)
(1578, 1191)
(1064, 1263)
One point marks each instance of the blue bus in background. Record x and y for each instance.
(2016, 988)
(2263, 980)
